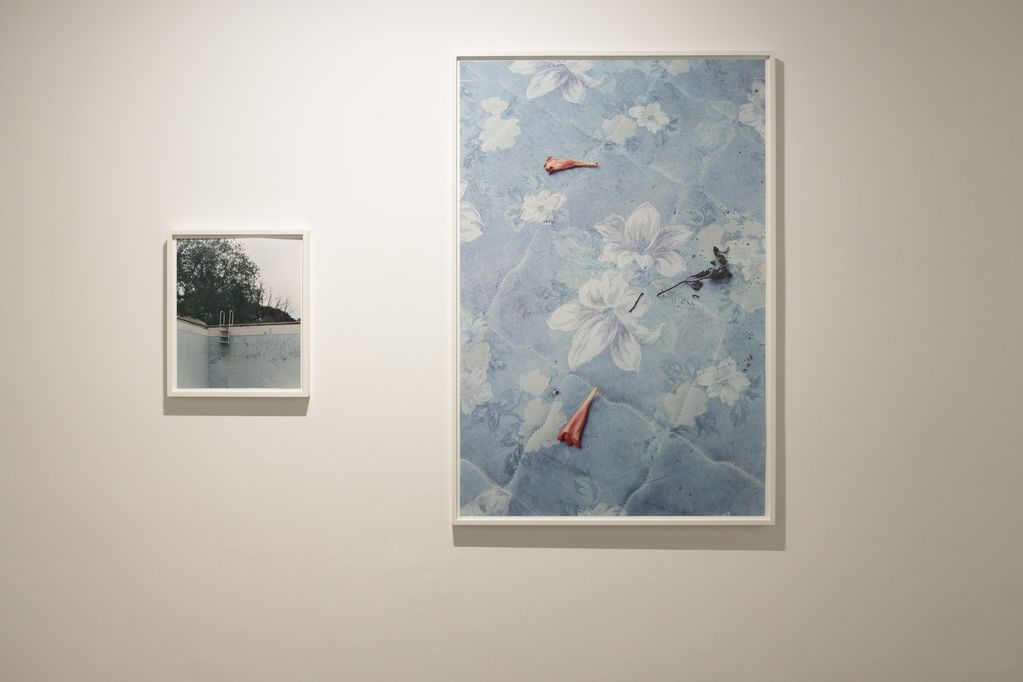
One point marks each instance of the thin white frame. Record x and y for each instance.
(770, 350)
(171, 317)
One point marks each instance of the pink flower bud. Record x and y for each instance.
(572, 434)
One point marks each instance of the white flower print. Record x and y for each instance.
(470, 224)
(752, 112)
(533, 416)
(474, 388)
(619, 128)
(601, 509)
(534, 382)
(708, 237)
(540, 207)
(714, 234)
(570, 76)
(493, 105)
(724, 381)
(491, 502)
(641, 243)
(650, 116)
(746, 254)
(540, 424)
(676, 66)
(685, 405)
(499, 133)
(605, 316)
(477, 357)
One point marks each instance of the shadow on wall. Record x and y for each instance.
(236, 407)
(749, 538)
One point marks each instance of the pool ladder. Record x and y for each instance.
(225, 326)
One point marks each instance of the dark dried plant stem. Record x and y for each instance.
(685, 281)
(713, 274)
(692, 279)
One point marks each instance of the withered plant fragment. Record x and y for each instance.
(553, 164)
(717, 272)
(572, 434)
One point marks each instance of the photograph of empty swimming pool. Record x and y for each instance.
(239, 305)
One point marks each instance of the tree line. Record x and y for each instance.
(216, 275)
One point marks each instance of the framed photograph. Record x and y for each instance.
(615, 289)
(238, 314)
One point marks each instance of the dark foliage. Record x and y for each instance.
(215, 275)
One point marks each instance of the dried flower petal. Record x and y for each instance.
(572, 434)
(553, 164)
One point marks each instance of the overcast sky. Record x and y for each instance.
(280, 267)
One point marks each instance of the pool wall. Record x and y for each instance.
(258, 356)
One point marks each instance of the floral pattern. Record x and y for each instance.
(540, 420)
(499, 133)
(606, 316)
(747, 254)
(540, 207)
(494, 106)
(470, 224)
(491, 502)
(675, 66)
(752, 112)
(640, 243)
(474, 389)
(650, 117)
(568, 76)
(619, 128)
(601, 509)
(534, 382)
(540, 424)
(724, 381)
(744, 247)
(585, 298)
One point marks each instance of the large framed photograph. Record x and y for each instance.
(238, 314)
(615, 289)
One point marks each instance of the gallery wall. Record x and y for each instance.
(145, 538)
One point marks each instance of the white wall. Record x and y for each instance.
(317, 547)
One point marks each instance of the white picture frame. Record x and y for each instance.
(768, 518)
(172, 321)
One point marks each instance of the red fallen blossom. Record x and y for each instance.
(572, 434)
(553, 164)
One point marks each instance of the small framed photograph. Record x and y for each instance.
(615, 289)
(238, 314)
